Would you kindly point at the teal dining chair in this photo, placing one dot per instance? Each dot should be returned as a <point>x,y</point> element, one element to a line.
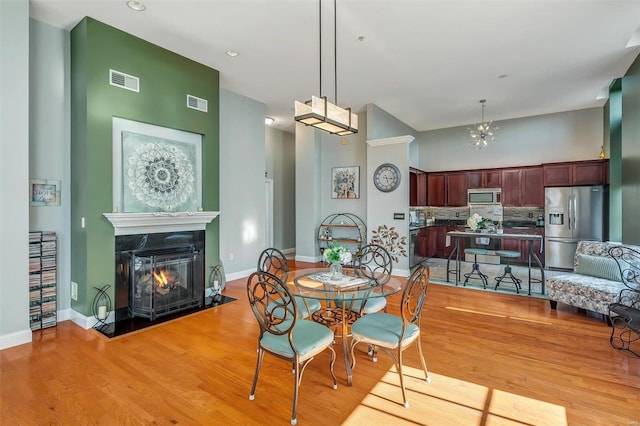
<point>274,261</point>
<point>283,333</point>
<point>393,334</point>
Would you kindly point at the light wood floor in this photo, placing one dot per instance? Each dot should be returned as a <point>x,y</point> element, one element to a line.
<point>495,359</point>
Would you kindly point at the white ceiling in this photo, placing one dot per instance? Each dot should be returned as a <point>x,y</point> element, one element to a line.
<point>426,62</point>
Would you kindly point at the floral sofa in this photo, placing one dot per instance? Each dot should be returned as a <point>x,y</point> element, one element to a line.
<point>594,283</point>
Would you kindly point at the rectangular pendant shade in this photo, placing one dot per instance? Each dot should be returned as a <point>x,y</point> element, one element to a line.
<point>322,114</point>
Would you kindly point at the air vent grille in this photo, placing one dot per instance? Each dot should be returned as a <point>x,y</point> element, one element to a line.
<point>124,81</point>
<point>197,103</point>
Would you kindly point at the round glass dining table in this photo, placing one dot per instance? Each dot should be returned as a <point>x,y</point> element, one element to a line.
<point>341,298</point>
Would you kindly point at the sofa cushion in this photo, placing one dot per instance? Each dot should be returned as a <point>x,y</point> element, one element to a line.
<point>584,291</point>
<point>596,266</point>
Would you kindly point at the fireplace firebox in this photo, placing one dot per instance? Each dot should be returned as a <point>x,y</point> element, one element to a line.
<point>159,274</point>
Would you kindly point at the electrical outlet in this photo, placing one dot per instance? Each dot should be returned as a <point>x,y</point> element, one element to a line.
<point>74,291</point>
<point>230,256</point>
<point>457,214</point>
<point>530,214</point>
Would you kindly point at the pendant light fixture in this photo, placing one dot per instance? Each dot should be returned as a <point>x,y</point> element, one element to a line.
<point>482,133</point>
<point>319,112</point>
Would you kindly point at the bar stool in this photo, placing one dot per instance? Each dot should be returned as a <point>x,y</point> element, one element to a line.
<point>508,275</point>
<point>475,269</point>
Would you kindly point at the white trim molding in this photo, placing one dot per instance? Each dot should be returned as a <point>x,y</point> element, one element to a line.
<point>10,340</point>
<point>153,222</point>
<point>391,141</point>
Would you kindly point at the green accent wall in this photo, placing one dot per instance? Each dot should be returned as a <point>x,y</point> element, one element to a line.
<point>615,159</point>
<point>630,154</point>
<point>165,80</point>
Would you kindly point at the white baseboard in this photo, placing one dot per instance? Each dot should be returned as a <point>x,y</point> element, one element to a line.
<point>309,259</point>
<point>15,339</point>
<point>401,272</point>
<point>239,275</point>
<point>88,322</point>
<point>288,251</point>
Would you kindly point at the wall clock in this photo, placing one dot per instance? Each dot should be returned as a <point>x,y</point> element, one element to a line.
<point>386,177</point>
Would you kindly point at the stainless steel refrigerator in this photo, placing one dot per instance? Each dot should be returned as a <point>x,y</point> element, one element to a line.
<point>571,214</point>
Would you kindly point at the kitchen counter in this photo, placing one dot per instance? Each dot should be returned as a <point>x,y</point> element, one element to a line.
<point>529,237</point>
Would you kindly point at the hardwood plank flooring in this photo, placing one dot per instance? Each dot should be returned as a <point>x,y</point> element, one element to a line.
<point>494,359</point>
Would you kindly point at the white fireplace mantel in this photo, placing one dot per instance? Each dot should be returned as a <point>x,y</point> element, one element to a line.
<point>154,222</point>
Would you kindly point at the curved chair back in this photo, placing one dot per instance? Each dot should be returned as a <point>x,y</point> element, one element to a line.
<point>628,261</point>
<point>414,295</point>
<point>274,261</point>
<point>374,262</point>
<point>271,303</point>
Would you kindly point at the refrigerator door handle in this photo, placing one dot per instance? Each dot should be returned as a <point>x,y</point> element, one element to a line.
<point>569,212</point>
<point>575,211</point>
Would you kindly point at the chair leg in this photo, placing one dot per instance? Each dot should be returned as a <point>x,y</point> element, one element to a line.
<point>424,363</point>
<point>475,269</point>
<point>399,367</point>
<point>296,383</point>
<point>252,396</point>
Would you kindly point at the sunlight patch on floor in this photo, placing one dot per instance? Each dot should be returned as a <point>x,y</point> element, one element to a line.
<point>449,401</point>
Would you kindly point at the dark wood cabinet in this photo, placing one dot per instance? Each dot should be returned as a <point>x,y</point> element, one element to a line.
<point>491,178</point>
<point>456,189</point>
<point>532,187</point>
<point>523,246</point>
<point>413,189</point>
<point>422,189</point>
<point>511,187</point>
<point>590,172</point>
<point>436,183</point>
<point>523,187</point>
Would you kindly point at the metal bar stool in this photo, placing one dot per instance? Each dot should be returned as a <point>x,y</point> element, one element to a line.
<point>475,269</point>
<point>508,275</point>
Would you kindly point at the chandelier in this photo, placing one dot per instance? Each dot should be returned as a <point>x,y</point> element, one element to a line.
<point>482,133</point>
<point>319,112</point>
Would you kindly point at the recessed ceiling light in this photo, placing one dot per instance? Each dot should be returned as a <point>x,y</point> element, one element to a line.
<point>269,121</point>
<point>136,5</point>
<point>232,53</point>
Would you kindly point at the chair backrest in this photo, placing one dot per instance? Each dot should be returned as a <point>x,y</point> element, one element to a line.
<point>628,261</point>
<point>374,262</point>
<point>414,295</point>
<point>272,303</point>
<point>274,261</point>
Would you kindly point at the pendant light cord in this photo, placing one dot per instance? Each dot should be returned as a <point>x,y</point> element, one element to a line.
<point>335,51</point>
<point>320,41</point>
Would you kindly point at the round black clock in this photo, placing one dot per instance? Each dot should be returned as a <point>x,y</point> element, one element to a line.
<point>386,177</point>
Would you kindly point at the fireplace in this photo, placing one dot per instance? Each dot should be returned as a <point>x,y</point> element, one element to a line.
<point>159,274</point>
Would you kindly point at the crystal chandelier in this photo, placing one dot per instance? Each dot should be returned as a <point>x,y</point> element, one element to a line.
<point>318,111</point>
<point>482,133</point>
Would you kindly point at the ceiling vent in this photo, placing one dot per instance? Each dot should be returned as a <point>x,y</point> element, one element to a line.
<point>197,103</point>
<point>124,81</point>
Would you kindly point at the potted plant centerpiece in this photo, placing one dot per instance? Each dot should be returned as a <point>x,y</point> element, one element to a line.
<point>336,255</point>
<point>478,223</point>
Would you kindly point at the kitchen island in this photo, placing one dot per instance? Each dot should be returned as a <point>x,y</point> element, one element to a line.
<point>456,236</point>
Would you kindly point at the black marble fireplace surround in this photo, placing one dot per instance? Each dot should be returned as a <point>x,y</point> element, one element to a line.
<point>182,254</point>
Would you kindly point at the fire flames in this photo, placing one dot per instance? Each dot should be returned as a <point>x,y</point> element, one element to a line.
<point>161,278</point>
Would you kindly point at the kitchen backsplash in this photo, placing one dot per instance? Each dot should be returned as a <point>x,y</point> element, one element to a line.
<point>510,214</point>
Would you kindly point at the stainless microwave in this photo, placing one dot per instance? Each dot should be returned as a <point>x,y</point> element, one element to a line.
<point>484,196</point>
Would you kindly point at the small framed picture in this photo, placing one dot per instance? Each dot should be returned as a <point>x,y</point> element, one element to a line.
<point>44,192</point>
<point>345,182</point>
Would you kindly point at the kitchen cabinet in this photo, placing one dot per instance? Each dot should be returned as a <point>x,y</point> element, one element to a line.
<point>590,172</point>
<point>511,187</point>
<point>456,187</point>
<point>523,187</point>
<point>436,183</point>
<point>417,188</point>
<point>532,187</point>
<point>523,246</point>
<point>491,178</point>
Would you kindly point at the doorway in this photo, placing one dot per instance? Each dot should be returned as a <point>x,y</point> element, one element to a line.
<point>268,221</point>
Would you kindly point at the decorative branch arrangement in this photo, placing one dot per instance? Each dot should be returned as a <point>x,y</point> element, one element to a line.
<point>391,241</point>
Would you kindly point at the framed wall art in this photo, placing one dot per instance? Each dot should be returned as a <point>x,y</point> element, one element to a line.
<point>345,182</point>
<point>44,192</point>
<point>155,169</point>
